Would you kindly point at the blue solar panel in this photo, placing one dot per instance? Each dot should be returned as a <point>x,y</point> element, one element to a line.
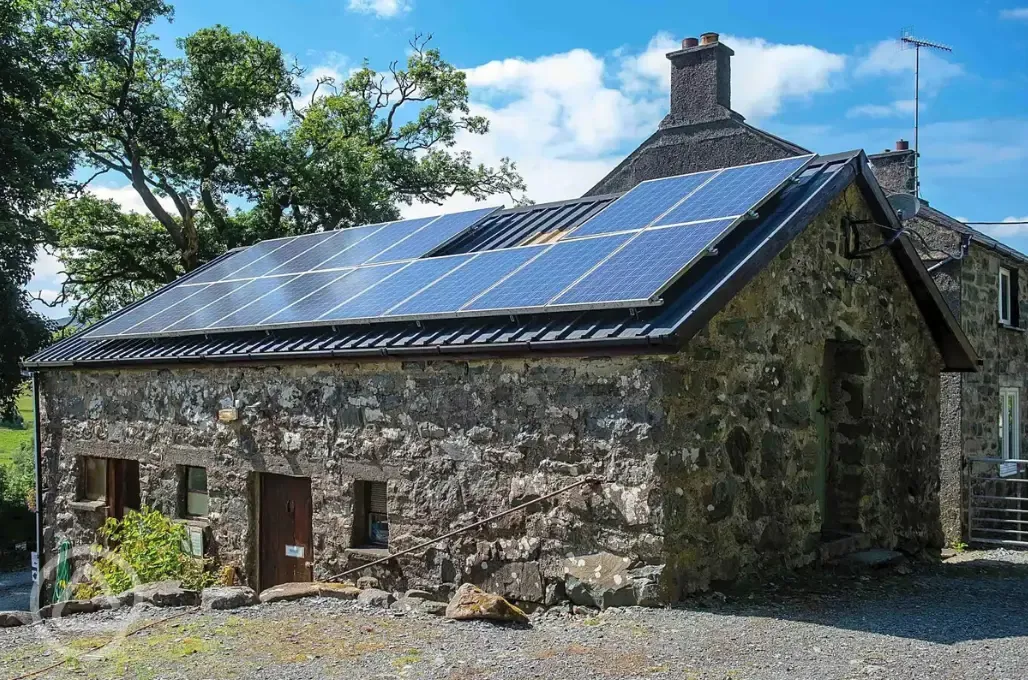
<point>734,191</point>
<point>204,296</point>
<point>339,241</point>
<point>279,257</point>
<point>397,288</point>
<point>223,269</point>
<point>167,299</point>
<point>457,289</point>
<point>650,261</point>
<point>334,294</point>
<point>546,276</point>
<point>433,235</point>
<point>296,289</point>
<point>228,303</point>
<point>368,248</point>
<point>642,204</point>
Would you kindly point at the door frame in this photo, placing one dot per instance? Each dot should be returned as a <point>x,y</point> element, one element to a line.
<point>259,490</point>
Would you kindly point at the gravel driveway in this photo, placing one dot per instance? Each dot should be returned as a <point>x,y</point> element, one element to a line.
<point>967,618</point>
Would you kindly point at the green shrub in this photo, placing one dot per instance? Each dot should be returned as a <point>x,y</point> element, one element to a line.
<point>147,546</point>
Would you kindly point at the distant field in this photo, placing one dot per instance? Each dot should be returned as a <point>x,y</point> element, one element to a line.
<point>10,439</point>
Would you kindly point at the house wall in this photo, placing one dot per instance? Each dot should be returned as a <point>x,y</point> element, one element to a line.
<point>709,456</point>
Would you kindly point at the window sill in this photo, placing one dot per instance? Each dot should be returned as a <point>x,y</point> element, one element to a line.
<point>1016,329</point>
<point>368,553</point>
<point>202,522</point>
<point>88,506</point>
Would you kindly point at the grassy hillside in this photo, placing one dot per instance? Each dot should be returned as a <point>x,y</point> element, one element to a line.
<point>11,439</point>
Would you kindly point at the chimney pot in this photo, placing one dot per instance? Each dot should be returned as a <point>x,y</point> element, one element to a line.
<point>902,145</point>
<point>690,42</point>
<point>709,38</point>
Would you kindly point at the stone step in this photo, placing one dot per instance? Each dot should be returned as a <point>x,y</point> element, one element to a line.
<point>840,545</point>
<point>876,558</point>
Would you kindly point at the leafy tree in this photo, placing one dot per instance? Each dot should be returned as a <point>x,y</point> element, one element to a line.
<point>225,125</point>
<point>33,156</point>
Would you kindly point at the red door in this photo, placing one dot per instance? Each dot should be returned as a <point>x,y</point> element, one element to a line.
<point>286,516</point>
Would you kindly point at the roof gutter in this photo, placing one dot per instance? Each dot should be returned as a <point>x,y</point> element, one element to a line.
<point>38,465</point>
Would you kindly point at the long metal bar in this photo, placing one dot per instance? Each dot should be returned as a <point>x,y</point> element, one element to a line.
<point>996,520</point>
<point>592,481</point>
<point>917,115</point>
<point>38,465</point>
<point>1001,541</point>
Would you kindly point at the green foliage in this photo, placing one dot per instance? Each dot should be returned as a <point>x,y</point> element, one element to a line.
<point>33,157</point>
<point>225,120</point>
<point>17,498</point>
<point>146,546</point>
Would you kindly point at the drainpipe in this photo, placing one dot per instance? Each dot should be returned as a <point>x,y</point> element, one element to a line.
<point>40,553</point>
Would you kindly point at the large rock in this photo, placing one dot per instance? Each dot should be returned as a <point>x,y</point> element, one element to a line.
<point>605,580</point>
<point>166,594</point>
<point>67,608</point>
<point>471,602</point>
<point>12,619</point>
<point>105,602</point>
<point>286,592</point>
<point>339,591</point>
<point>373,597</point>
<point>228,597</point>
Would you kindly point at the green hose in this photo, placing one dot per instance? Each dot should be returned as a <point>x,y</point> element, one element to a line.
<point>63,572</point>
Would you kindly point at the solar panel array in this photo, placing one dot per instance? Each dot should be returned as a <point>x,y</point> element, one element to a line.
<point>624,256</point>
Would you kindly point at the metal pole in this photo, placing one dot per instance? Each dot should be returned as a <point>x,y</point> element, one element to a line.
<point>38,464</point>
<point>592,481</point>
<point>917,111</point>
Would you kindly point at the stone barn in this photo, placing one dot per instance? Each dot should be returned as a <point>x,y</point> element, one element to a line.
<point>783,397</point>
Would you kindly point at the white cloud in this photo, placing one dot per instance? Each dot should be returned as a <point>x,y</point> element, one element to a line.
<point>129,200</point>
<point>383,9</point>
<point>1018,227</point>
<point>1015,14</point>
<point>893,59</point>
<point>900,107</point>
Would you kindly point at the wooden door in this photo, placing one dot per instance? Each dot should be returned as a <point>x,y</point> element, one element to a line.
<point>122,486</point>
<point>286,528</point>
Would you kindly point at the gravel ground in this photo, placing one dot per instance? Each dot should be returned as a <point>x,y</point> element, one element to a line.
<point>966,618</point>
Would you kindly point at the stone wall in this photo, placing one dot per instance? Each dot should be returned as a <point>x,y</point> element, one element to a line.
<point>710,456</point>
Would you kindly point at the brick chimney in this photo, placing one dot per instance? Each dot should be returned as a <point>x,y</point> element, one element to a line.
<point>701,82</point>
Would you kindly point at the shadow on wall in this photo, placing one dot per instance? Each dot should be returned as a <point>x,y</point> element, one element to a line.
<point>947,604</point>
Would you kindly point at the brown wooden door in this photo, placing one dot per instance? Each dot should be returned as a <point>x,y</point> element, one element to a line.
<point>286,550</point>
<point>122,486</point>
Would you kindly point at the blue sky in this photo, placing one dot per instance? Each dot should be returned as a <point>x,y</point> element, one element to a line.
<point>572,87</point>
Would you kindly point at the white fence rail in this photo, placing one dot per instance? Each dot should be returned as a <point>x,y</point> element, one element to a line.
<point>997,509</point>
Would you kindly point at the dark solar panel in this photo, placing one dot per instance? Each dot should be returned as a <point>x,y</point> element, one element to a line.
<point>366,249</point>
<point>338,241</point>
<point>206,295</point>
<point>166,300</point>
<point>433,235</point>
<point>397,288</point>
<point>225,268</point>
<point>259,309</point>
<point>309,309</point>
<point>281,256</point>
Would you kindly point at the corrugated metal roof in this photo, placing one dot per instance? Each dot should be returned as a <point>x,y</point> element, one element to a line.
<point>688,304</point>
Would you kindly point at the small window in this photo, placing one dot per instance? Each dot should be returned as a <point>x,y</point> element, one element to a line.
<point>196,501</point>
<point>1006,298</point>
<point>371,521</point>
<point>94,479</point>
<point>1009,423</point>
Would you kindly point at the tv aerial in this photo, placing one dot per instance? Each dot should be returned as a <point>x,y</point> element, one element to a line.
<point>917,43</point>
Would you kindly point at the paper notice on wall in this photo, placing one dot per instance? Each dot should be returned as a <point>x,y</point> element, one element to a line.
<point>1007,469</point>
<point>294,551</point>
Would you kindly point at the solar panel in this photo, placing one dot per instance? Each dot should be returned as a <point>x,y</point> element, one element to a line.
<point>374,244</point>
<point>261,308</point>
<point>307,310</point>
<point>338,241</point>
<point>433,235</point>
<point>226,304</point>
<point>397,288</point>
<point>449,294</point>
<point>204,296</point>
<point>646,265</point>
<point>165,300</point>
<point>734,191</point>
<point>643,204</point>
<point>224,268</point>
<point>548,275</point>
<point>281,256</point>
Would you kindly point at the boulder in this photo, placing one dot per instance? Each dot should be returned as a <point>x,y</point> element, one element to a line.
<point>228,597</point>
<point>105,602</point>
<point>339,591</point>
<point>605,580</point>
<point>12,619</point>
<point>471,602</point>
<point>166,594</point>
<point>67,608</point>
<point>286,592</point>
<point>373,597</point>
<point>367,582</point>
<point>431,607</point>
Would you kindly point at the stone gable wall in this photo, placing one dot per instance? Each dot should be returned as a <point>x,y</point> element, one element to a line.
<point>709,455</point>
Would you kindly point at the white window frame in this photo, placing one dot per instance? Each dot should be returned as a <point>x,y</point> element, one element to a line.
<point>1009,421</point>
<point>1004,315</point>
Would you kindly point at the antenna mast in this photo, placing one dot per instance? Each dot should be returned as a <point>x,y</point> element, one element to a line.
<point>918,43</point>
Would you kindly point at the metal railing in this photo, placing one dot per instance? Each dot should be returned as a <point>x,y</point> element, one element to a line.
<point>997,508</point>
